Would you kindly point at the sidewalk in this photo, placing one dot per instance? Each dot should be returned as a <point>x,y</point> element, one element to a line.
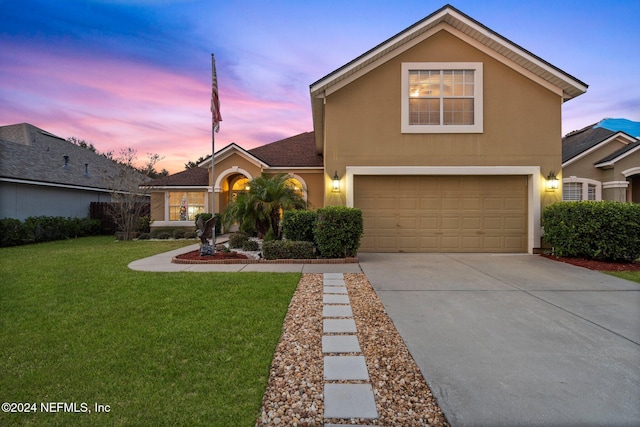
<point>162,263</point>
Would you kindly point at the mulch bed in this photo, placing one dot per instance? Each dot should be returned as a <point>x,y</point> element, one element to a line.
<point>222,257</point>
<point>597,265</point>
<point>218,256</point>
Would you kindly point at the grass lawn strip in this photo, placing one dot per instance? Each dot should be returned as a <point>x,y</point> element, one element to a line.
<point>633,276</point>
<point>77,326</point>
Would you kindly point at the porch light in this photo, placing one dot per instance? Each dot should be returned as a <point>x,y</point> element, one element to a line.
<point>552,181</point>
<point>336,183</point>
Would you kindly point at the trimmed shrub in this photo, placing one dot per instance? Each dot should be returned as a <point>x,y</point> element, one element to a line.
<point>250,245</point>
<point>597,230</point>
<point>338,231</point>
<point>144,236</point>
<point>236,240</point>
<point>190,235</point>
<point>287,249</point>
<point>12,232</point>
<point>36,229</point>
<point>163,235</point>
<point>298,225</point>
<point>178,233</point>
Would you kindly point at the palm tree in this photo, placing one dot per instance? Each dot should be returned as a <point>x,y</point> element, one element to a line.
<point>260,208</point>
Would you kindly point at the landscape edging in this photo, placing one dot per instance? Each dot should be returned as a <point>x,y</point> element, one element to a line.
<point>349,260</point>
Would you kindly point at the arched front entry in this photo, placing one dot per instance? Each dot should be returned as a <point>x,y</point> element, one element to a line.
<point>229,184</point>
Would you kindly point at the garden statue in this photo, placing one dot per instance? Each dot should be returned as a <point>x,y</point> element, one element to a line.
<point>205,230</point>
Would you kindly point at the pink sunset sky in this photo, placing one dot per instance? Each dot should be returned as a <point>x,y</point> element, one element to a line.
<point>137,74</point>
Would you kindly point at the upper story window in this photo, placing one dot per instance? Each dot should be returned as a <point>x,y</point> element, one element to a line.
<point>442,97</point>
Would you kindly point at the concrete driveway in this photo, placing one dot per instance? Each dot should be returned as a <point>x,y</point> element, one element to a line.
<point>516,339</point>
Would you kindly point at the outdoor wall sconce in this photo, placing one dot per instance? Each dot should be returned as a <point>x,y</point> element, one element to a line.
<point>336,183</point>
<point>552,181</point>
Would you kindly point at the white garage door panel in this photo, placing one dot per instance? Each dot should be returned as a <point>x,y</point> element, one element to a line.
<point>443,213</point>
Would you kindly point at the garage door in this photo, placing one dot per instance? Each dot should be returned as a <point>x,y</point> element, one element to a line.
<point>442,213</point>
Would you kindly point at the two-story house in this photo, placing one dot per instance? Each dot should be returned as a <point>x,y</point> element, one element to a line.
<point>447,136</point>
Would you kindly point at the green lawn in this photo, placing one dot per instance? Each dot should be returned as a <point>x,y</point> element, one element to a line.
<point>634,276</point>
<point>76,325</point>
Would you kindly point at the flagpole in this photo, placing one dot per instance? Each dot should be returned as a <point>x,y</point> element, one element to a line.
<point>213,179</point>
<point>215,126</point>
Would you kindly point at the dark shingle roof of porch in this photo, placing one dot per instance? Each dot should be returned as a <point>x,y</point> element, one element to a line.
<point>190,177</point>
<point>296,151</point>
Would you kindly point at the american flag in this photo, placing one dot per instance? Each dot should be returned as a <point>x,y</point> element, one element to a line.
<point>215,102</point>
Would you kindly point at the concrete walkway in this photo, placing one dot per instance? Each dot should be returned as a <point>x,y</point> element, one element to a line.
<point>516,339</point>
<point>162,263</point>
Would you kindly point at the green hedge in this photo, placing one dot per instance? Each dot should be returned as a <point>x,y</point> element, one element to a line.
<point>596,230</point>
<point>299,224</point>
<point>236,240</point>
<point>287,249</point>
<point>38,229</point>
<point>338,231</point>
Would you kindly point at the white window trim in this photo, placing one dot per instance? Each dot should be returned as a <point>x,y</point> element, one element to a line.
<point>477,127</point>
<point>534,185</point>
<point>167,221</point>
<point>585,187</point>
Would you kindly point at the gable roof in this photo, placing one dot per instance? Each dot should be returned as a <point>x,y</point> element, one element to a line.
<point>448,14</point>
<point>291,153</point>
<point>611,159</point>
<point>296,151</point>
<point>579,143</point>
<point>34,156</point>
<point>496,45</point>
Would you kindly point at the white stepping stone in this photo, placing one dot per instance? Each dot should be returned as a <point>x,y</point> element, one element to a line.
<point>340,344</point>
<point>339,326</point>
<point>349,401</point>
<point>345,368</point>
<point>337,311</point>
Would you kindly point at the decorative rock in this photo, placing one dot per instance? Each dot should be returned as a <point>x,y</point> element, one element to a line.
<point>399,389</point>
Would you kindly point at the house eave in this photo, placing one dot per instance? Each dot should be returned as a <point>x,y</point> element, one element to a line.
<point>57,185</point>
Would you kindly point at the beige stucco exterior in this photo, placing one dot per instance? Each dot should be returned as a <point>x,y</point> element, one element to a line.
<point>521,126</point>
<point>232,165</point>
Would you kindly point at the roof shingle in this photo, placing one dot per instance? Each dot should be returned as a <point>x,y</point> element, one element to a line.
<point>295,151</point>
<point>190,177</point>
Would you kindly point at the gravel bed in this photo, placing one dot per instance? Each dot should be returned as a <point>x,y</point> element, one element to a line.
<point>294,395</point>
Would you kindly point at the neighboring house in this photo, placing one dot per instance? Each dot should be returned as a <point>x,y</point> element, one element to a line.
<point>178,198</point>
<point>43,174</point>
<point>602,162</point>
<point>442,135</point>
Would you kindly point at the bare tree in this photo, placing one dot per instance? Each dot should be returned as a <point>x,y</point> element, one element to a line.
<point>129,194</point>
